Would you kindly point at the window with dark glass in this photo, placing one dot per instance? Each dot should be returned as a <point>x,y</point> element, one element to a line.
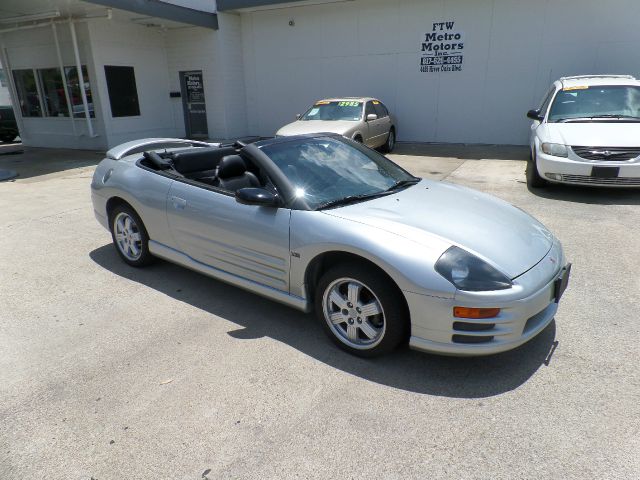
<point>27,90</point>
<point>381,110</point>
<point>123,94</point>
<point>75,94</point>
<point>52,88</point>
<point>369,109</point>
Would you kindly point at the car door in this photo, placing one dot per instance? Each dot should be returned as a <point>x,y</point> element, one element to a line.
<point>249,241</point>
<point>384,121</point>
<point>543,111</point>
<point>371,125</point>
<point>374,126</point>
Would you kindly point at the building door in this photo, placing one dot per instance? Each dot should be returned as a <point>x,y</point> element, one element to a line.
<point>193,103</point>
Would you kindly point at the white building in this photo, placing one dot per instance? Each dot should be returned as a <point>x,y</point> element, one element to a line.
<point>450,70</point>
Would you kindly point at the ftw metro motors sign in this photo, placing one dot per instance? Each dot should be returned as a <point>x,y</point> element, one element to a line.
<point>442,49</point>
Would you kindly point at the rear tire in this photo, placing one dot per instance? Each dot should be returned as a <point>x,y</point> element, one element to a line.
<point>391,141</point>
<point>130,236</point>
<point>361,310</point>
<point>534,180</point>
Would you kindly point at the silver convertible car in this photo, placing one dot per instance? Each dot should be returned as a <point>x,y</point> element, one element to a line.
<point>320,222</point>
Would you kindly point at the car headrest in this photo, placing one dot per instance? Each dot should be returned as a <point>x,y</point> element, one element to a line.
<point>231,166</point>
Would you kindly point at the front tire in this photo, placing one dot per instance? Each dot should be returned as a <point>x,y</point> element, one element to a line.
<point>361,310</point>
<point>130,236</point>
<point>534,180</point>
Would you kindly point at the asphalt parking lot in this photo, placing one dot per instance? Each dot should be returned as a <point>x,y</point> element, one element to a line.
<point>109,372</point>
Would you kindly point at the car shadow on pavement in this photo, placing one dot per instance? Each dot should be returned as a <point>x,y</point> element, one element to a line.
<point>589,195</point>
<point>404,369</point>
<point>463,151</point>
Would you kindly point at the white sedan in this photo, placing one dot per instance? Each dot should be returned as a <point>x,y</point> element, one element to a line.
<point>587,132</point>
<point>363,119</point>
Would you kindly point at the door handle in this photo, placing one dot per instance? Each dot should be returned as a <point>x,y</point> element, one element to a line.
<point>178,203</point>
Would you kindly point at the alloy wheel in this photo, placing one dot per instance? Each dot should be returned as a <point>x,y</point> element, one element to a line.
<point>354,313</point>
<point>127,235</point>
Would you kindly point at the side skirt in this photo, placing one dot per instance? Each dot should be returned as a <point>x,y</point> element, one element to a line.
<point>175,256</point>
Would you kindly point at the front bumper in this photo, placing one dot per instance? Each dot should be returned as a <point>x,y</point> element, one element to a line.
<point>526,309</point>
<point>576,171</point>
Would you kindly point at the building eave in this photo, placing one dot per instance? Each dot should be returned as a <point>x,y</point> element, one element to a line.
<point>168,11</point>
<point>227,5</point>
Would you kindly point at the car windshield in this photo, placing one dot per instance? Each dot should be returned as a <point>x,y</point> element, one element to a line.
<point>330,111</point>
<point>326,171</point>
<point>597,102</point>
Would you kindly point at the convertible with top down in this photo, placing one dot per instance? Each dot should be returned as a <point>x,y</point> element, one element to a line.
<point>321,222</point>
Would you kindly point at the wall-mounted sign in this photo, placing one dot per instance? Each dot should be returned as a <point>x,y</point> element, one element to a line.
<point>442,49</point>
<point>194,87</point>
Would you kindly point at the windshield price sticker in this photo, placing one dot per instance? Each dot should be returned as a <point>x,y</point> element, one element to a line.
<point>348,104</point>
<point>441,49</point>
<point>323,102</point>
<point>581,87</point>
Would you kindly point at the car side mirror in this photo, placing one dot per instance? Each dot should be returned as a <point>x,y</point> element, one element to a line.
<point>535,115</point>
<point>257,196</point>
<point>372,116</point>
<point>298,116</point>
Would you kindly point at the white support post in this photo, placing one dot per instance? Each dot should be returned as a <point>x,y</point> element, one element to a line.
<point>64,78</point>
<point>74,40</point>
<point>12,86</point>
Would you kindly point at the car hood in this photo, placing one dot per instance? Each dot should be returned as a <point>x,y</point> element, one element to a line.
<point>603,134</point>
<point>316,126</point>
<point>499,233</point>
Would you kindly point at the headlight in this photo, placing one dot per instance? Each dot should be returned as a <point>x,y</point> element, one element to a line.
<point>555,149</point>
<point>468,272</point>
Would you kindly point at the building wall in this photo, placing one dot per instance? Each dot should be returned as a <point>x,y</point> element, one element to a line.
<point>513,50</point>
<point>232,75</point>
<point>35,48</point>
<point>219,55</point>
<point>128,44</point>
<point>195,48</point>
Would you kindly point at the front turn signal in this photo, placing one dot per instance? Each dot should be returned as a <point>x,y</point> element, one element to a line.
<point>466,312</point>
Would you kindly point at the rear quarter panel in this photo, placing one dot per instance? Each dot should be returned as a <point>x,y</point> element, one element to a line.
<point>144,190</point>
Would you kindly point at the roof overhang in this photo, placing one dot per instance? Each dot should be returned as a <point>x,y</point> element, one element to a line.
<point>228,5</point>
<point>168,11</point>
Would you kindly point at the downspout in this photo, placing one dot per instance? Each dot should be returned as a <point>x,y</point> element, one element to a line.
<point>64,79</point>
<point>74,40</point>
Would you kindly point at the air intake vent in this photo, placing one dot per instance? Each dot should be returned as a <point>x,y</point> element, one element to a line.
<point>622,181</point>
<point>473,327</point>
<point>470,339</point>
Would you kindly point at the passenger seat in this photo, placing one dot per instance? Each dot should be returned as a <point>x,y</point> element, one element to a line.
<point>232,174</point>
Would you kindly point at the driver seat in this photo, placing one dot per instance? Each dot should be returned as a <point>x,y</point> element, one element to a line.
<point>232,174</point>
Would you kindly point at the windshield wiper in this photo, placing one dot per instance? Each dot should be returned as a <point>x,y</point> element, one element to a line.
<point>403,183</point>
<point>596,117</point>
<point>630,117</point>
<point>349,199</point>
